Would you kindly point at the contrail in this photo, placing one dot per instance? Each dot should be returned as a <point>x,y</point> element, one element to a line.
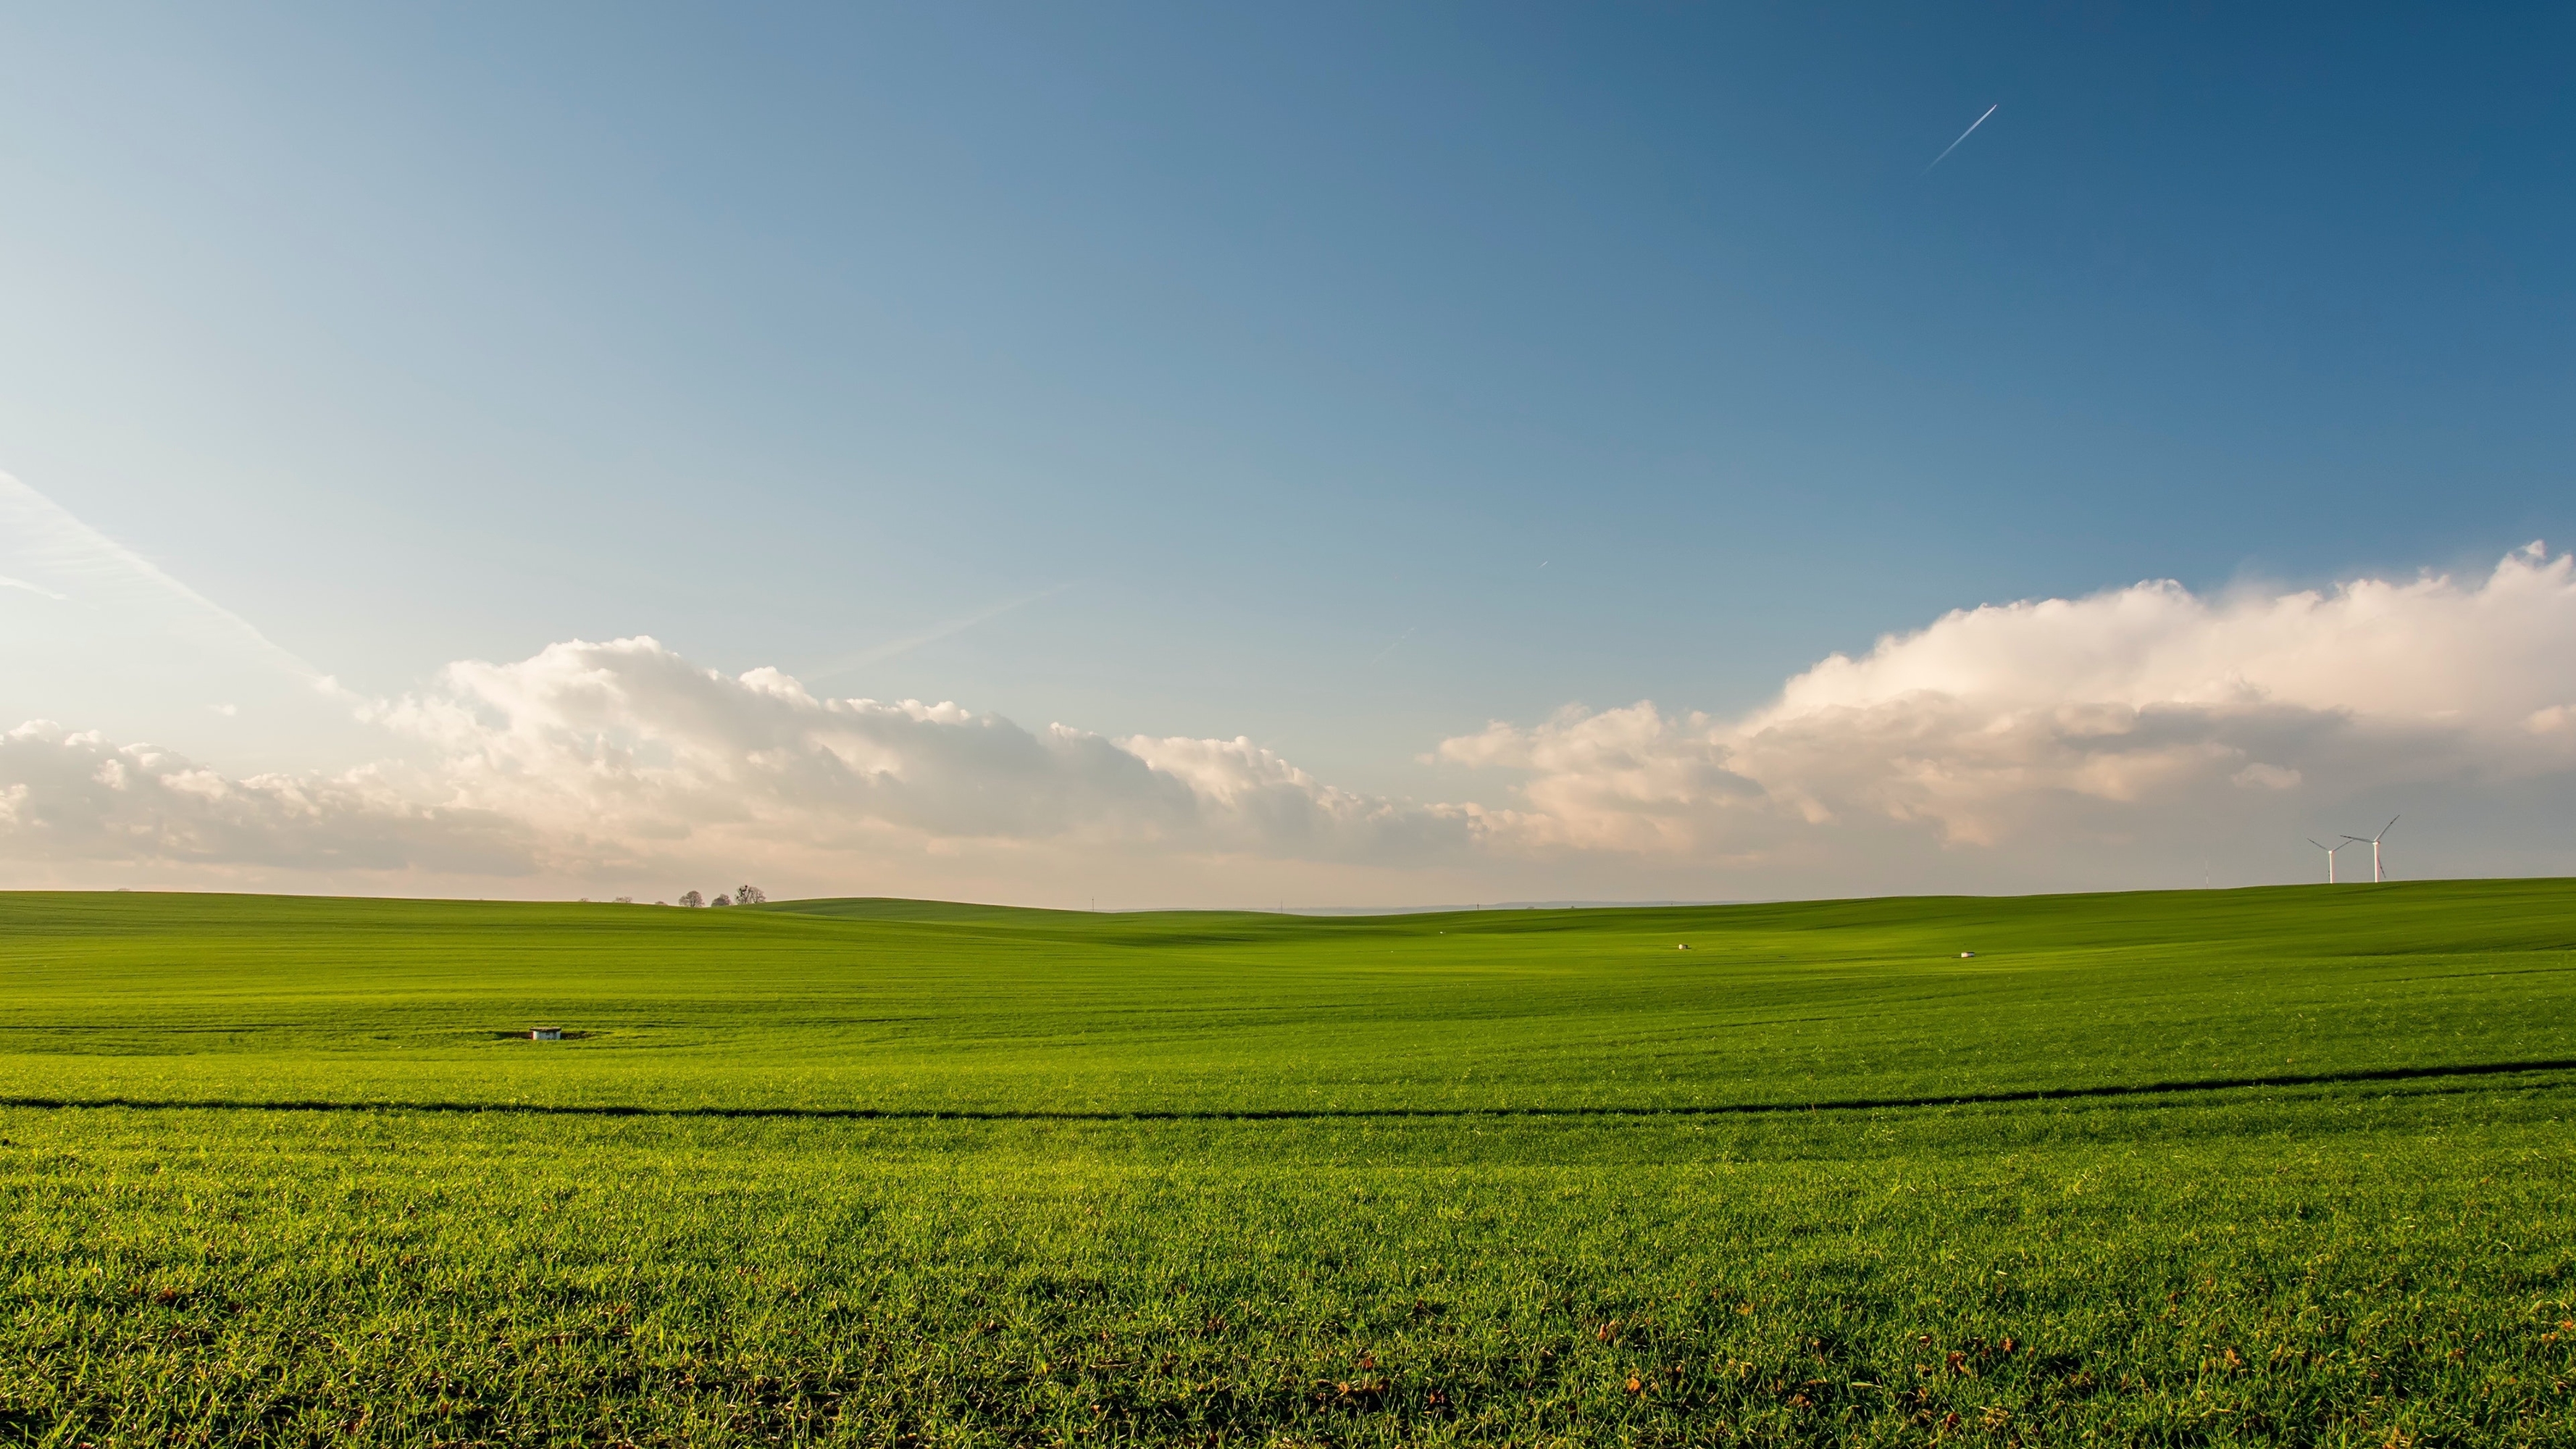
<point>59,547</point>
<point>1963,135</point>
<point>9,583</point>
<point>906,645</point>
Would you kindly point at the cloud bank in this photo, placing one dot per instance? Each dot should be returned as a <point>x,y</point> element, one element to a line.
<point>597,744</point>
<point>2059,720</point>
<point>1996,740</point>
<point>596,759</point>
<point>67,796</point>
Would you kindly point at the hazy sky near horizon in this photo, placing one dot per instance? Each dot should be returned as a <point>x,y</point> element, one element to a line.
<point>1300,440</point>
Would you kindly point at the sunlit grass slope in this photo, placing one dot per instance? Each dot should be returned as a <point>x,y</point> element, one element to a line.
<point>2278,1166</point>
<point>909,1007</point>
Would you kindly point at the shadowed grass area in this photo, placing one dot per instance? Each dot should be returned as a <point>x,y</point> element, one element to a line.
<point>2256,1166</point>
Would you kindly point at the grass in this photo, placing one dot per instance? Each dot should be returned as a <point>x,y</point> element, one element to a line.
<point>2274,1166</point>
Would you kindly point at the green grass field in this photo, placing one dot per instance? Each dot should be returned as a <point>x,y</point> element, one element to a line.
<point>2268,1166</point>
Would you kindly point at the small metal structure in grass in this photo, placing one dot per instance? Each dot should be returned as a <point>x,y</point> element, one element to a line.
<point>545,1033</point>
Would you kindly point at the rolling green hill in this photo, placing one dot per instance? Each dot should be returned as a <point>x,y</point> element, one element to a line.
<point>2284,1165</point>
<point>921,1007</point>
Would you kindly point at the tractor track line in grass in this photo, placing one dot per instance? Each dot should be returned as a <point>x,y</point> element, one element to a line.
<point>1314,1114</point>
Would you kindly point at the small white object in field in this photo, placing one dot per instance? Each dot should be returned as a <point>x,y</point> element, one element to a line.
<point>1683,946</point>
<point>1964,955</point>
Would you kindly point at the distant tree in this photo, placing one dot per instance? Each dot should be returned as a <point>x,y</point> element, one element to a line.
<point>720,899</point>
<point>693,899</point>
<point>749,895</point>
<point>626,900</point>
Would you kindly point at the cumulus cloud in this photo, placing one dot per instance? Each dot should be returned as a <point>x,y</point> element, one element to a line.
<point>2061,718</point>
<point>627,738</point>
<point>597,756</point>
<point>76,796</point>
<point>2007,734</point>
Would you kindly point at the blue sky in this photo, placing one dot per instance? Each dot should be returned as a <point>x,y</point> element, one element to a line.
<point>1345,378</point>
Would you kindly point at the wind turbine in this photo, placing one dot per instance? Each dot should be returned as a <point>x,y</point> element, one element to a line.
<point>2330,855</point>
<point>2376,874</point>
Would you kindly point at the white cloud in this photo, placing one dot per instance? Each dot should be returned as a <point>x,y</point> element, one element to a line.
<point>624,756</point>
<point>2064,719</point>
<point>2010,735</point>
<point>2260,776</point>
<point>629,738</point>
<point>67,796</point>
